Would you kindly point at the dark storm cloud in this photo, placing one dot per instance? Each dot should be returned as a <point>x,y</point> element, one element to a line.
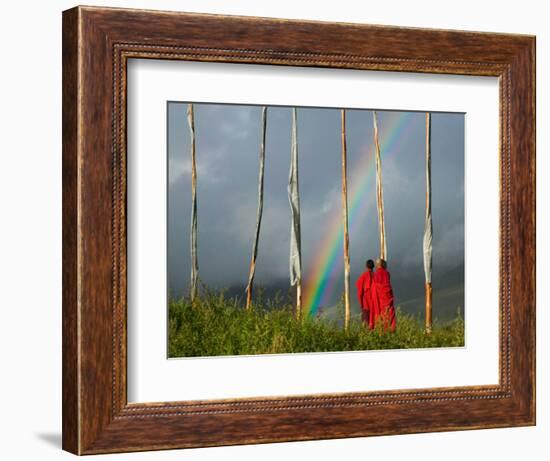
<point>227,138</point>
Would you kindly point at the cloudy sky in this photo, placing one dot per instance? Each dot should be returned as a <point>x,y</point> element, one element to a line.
<point>227,143</point>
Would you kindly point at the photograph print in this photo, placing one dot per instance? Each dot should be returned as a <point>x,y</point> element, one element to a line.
<point>311,229</point>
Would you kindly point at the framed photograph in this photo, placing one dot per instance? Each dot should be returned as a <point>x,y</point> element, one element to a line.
<point>281,230</point>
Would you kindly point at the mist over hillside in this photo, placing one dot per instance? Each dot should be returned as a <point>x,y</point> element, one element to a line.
<point>408,287</point>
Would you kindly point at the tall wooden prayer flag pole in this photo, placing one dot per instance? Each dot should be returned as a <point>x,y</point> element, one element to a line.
<point>194,259</point>
<point>379,191</point>
<point>427,242</point>
<point>260,208</point>
<point>295,233</point>
<point>345,217</point>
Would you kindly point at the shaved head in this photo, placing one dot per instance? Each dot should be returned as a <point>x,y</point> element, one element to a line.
<point>381,263</point>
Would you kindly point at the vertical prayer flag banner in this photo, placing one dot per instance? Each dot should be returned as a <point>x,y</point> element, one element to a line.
<point>294,200</point>
<point>194,257</point>
<point>295,229</point>
<point>292,228</point>
<point>263,122</point>
<point>428,228</point>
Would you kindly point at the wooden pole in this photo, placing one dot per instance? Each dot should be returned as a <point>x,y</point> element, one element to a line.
<point>427,243</point>
<point>345,217</point>
<point>299,299</point>
<point>249,286</point>
<point>428,307</point>
<point>194,259</point>
<point>379,191</point>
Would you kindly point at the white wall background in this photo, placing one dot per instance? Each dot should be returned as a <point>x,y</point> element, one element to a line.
<point>30,227</point>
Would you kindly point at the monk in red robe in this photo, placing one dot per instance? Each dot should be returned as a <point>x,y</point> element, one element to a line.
<point>365,295</point>
<point>383,294</point>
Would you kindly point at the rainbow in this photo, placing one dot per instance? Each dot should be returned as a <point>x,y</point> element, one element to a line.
<point>328,256</point>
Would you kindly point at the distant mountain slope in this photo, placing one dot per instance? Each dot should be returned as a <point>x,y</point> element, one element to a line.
<point>448,293</point>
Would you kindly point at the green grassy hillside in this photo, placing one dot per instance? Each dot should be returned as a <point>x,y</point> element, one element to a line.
<point>216,325</point>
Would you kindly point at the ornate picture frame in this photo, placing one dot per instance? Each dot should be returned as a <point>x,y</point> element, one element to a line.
<point>97,44</point>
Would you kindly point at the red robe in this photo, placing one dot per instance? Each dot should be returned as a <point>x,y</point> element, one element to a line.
<point>366,299</point>
<point>383,295</point>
